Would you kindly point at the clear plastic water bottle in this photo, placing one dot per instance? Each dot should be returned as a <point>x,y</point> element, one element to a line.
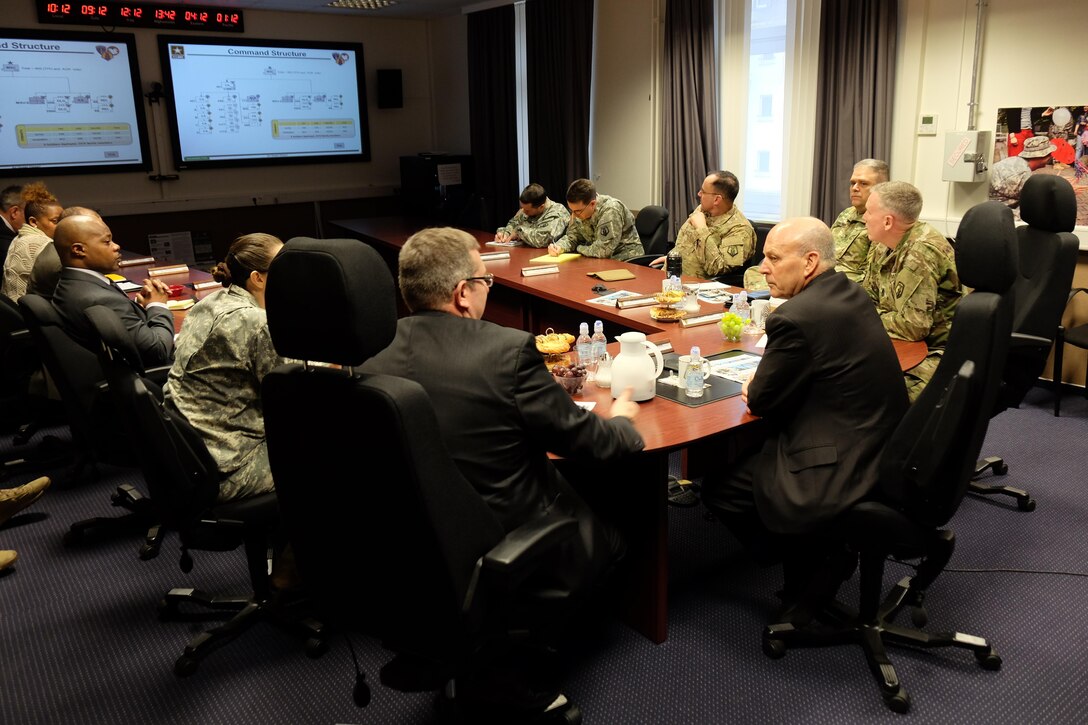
<point>693,381</point>
<point>741,307</point>
<point>583,346</point>
<point>600,342</point>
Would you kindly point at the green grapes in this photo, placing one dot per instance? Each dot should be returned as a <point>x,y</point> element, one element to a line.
<point>731,325</point>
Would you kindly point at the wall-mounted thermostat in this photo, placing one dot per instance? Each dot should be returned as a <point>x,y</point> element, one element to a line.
<point>927,124</point>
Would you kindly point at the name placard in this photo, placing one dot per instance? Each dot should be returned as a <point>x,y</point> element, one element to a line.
<point>537,271</point>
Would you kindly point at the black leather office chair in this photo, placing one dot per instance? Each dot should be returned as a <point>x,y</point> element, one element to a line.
<point>1046,260</point>
<point>1076,336</point>
<point>97,430</point>
<point>183,481</point>
<point>442,584</point>
<point>652,225</point>
<point>21,411</point>
<point>925,470</point>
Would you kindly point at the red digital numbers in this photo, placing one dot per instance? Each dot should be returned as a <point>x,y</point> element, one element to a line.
<point>166,15</point>
<point>62,8</point>
<point>226,18</point>
<point>94,11</point>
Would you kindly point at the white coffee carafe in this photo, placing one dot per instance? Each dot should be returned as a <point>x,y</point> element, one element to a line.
<point>634,368</point>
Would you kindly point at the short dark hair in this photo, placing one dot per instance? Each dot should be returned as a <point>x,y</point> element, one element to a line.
<point>726,184</point>
<point>581,190</point>
<point>533,194</point>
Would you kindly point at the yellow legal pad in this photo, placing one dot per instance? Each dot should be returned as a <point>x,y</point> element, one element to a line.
<point>549,259</point>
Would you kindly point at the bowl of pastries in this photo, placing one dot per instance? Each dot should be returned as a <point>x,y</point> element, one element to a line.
<point>667,298</point>
<point>554,346</point>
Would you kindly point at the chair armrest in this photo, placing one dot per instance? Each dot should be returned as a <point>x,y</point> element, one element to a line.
<point>158,374</point>
<point>526,544</point>
<point>1073,293</point>
<point>1021,340</point>
<point>517,556</point>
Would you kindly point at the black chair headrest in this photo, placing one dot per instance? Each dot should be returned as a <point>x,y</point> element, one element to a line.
<point>649,218</point>
<point>986,247</point>
<point>1048,202</point>
<point>330,300</point>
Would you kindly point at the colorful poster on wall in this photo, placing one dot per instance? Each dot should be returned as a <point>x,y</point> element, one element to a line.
<point>1040,140</point>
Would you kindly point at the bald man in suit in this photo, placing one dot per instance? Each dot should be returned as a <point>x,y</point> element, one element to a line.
<point>86,249</point>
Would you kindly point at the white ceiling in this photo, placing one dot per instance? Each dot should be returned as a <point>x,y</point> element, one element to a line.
<point>403,8</point>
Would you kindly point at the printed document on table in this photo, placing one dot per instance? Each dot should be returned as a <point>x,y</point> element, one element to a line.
<point>737,368</point>
<point>610,298</point>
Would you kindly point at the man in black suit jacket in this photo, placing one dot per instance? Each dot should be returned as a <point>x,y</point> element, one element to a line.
<point>87,251</point>
<point>498,407</point>
<point>830,391</point>
<point>500,411</point>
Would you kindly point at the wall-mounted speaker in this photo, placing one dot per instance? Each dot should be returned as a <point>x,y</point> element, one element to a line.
<point>390,94</point>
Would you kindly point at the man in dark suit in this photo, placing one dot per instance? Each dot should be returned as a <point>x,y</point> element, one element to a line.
<point>500,413</point>
<point>86,249</point>
<point>830,391</point>
<point>498,407</point>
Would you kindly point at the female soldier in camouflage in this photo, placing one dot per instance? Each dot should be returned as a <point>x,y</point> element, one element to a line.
<point>222,354</point>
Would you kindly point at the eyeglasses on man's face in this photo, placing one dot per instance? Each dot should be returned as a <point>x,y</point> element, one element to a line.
<point>704,192</point>
<point>487,279</point>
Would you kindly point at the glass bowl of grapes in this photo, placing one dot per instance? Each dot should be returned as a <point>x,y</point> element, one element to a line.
<point>731,326</point>
<point>571,377</point>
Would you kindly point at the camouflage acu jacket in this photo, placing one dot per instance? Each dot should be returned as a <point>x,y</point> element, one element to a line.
<point>723,246</point>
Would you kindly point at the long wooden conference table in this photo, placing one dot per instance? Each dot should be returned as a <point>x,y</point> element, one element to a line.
<point>633,494</point>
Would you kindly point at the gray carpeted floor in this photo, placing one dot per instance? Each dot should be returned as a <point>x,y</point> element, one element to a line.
<point>80,641</point>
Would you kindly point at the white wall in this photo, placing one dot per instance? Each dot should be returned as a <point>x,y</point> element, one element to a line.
<point>387,43</point>
<point>1027,60</point>
<point>625,132</point>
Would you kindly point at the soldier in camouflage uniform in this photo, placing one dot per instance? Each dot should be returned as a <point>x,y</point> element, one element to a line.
<point>911,275</point>
<point>223,352</point>
<point>539,223</point>
<point>716,238</point>
<point>600,226</point>
<point>851,237</point>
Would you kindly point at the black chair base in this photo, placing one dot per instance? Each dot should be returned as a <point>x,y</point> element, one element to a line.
<point>247,611</point>
<point>1024,501</point>
<point>141,517</point>
<point>874,637</point>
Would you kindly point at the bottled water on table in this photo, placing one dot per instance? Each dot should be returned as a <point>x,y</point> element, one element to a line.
<point>583,346</point>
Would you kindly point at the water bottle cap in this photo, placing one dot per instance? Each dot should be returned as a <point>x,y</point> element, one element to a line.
<point>695,352</point>
<point>583,328</point>
<point>598,326</point>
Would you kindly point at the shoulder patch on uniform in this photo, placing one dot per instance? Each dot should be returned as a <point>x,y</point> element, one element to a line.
<point>898,290</point>
<point>605,229</point>
<point>732,250</point>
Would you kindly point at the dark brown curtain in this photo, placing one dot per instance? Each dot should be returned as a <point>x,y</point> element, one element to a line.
<point>559,66</point>
<point>690,125</point>
<point>853,112</point>
<point>492,113</point>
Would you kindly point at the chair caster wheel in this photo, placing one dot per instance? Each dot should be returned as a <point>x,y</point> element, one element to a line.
<point>1001,469</point>
<point>1026,504</point>
<point>898,701</point>
<point>148,552</point>
<point>774,648</point>
<point>315,647</point>
<point>919,617</point>
<point>185,666</point>
<point>989,660</point>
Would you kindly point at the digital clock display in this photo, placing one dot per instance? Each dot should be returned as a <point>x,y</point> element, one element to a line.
<point>141,15</point>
